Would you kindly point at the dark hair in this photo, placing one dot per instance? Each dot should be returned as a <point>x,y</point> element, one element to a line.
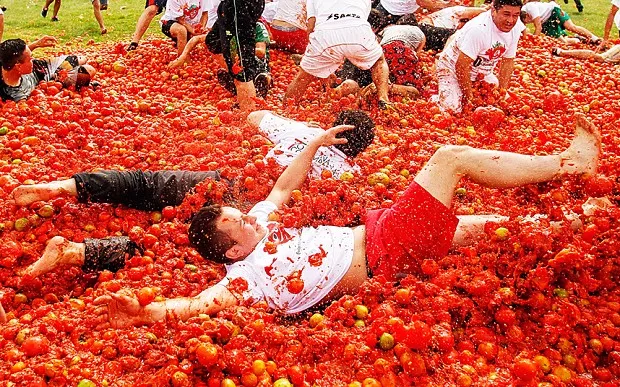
<point>358,138</point>
<point>523,16</point>
<point>497,4</point>
<point>11,52</point>
<point>204,236</point>
<point>377,20</point>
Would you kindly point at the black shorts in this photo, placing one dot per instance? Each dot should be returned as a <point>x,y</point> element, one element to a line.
<point>161,4</point>
<point>166,25</point>
<point>149,191</point>
<point>108,254</point>
<point>350,71</point>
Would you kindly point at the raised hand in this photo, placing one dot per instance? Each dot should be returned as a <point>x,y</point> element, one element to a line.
<point>328,137</point>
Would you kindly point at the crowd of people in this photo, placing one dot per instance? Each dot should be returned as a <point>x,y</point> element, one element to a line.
<point>372,46</point>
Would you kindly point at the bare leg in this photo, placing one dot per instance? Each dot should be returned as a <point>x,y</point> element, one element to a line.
<point>405,91</point>
<point>184,57</point>
<point>45,7</point>
<point>580,54</point>
<point>297,88</point>
<point>27,194</point>
<point>471,228</point>
<point>99,17</point>
<point>58,251</point>
<point>380,74</point>
<point>179,32</point>
<point>143,22</point>
<point>56,8</point>
<point>505,170</point>
<point>246,93</point>
<point>572,27</point>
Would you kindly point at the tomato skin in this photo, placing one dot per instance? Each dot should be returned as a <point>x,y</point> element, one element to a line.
<point>35,345</point>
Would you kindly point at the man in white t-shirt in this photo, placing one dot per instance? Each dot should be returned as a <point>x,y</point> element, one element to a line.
<point>184,19</point>
<point>293,269</point>
<point>474,52</point>
<point>551,20</point>
<point>289,26</point>
<point>339,30</point>
<point>292,137</point>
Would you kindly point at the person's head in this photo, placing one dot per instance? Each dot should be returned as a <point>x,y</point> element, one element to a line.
<point>16,56</point>
<point>377,20</point>
<point>359,137</point>
<point>224,234</point>
<point>525,17</point>
<point>506,13</point>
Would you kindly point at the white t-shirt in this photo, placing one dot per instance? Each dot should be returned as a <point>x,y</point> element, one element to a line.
<point>331,14</point>
<point>269,12</point>
<point>400,7</point>
<point>447,17</point>
<point>617,17</point>
<point>292,12</point>
<point>411,36</point>
<point>482,41</point>
<point>292,137</point>
<point>190,10</point>
<point>538,9</point>
<point>211,7</point>
<point>320,257</point>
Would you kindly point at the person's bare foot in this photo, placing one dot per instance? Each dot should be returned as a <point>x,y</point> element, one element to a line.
<point>57,252</point>
<point>583,153</point>
<point>28,194</point>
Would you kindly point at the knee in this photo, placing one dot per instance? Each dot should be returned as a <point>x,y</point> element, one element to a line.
<point>151,11</point>
<point>91,70</point>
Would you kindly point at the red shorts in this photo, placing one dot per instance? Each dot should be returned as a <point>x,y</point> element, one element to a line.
<point>416,227</point>
<point>294,41</point>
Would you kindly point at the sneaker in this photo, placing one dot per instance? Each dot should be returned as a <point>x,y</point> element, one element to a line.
<point>227,81</point>
<point>54,19</point>
<point>132,46</point>
<point>262,83</point>
<point>44,12</point>
<point>103,5</point>
<point>3,8</point>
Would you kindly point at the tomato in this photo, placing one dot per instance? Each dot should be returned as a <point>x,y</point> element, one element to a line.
<point>35,345</point>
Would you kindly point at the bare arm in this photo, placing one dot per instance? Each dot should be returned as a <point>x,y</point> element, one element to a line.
<point>193,42</point>
<point>463,74</point>
<point>537,26</point>
<point>123,309</point>
<point>45,41</point>
<point>610,21</point>
<point>506,67</point>
<point>433,5</point>
<point>204,19</point>
<point>311,23</point>
<point>295,174</point>
<point>2,32</point>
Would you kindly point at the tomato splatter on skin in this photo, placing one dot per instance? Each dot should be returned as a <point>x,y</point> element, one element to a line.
<point>317,258</point>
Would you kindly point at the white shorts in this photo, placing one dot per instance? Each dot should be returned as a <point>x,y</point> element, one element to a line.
<point>612,55</point>
<point>328,49</point>
<point>450,95</point>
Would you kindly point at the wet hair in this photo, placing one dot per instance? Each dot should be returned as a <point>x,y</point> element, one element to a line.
<point>11,53</point>
<point>377,20</point>
<point>204,236</point>
<point>358,138</point>
<point>523,16</point>
<point>497,4</point>
<point>408,20</point>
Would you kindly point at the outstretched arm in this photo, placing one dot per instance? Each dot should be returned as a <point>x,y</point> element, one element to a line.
<point>463,74</point>
<point>122,309</point>
<point>537,26</point>
<point>193,42</point>
<point>45,41</point>
<point>295,174</point>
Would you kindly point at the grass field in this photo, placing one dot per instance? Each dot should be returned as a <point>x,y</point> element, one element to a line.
<point>23,19</point>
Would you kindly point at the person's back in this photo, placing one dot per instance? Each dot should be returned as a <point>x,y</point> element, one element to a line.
<point>331,15</point>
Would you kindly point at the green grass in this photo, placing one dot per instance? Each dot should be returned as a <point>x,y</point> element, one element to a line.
<point>23,20</point>
<point>77,23</point>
